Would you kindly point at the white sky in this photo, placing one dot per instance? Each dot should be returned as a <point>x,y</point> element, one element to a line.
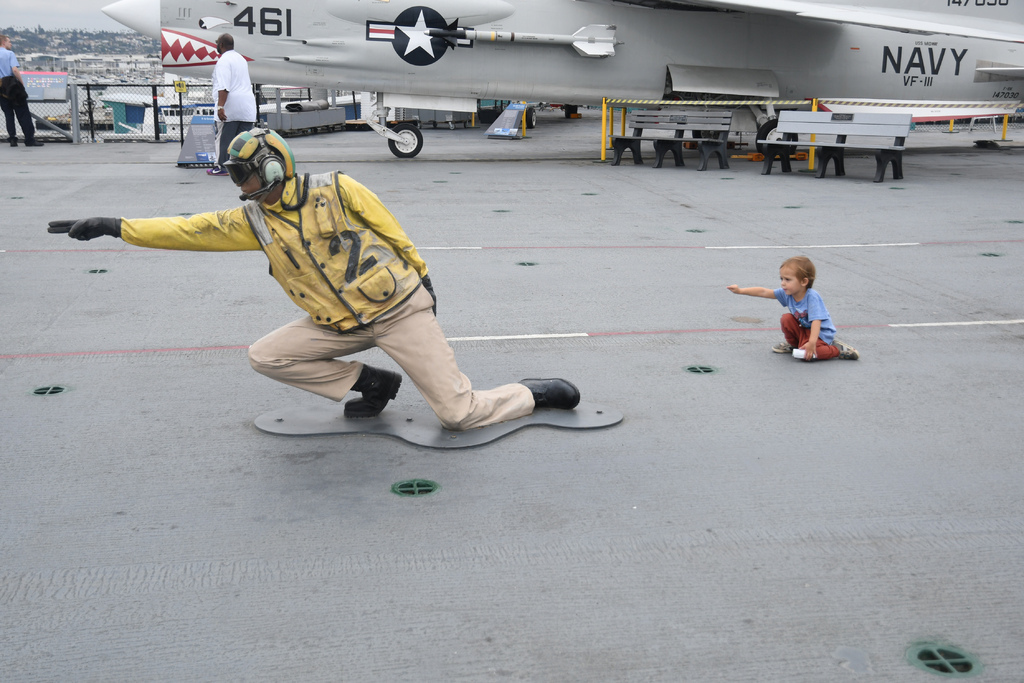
<point>54,14</point>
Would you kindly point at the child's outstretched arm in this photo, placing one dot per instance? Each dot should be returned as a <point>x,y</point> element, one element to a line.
<point>762,292</point>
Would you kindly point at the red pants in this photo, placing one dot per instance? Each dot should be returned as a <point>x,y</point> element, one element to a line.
<point>797,336</point>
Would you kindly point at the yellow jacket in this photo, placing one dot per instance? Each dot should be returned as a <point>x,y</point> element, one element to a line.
<point>340,255</point>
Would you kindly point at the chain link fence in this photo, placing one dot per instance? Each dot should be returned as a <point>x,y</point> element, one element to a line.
<point>117,112</point>
<point>989,126</point>
<point>125,112</point>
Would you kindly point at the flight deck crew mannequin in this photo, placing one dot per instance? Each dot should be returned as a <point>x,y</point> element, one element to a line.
<point>19,105</point>
<point>236,104</point>
<point>341,256</point>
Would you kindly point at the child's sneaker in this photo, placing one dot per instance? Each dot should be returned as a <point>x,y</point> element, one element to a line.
<point>846,352</point>
<point>783,347</point>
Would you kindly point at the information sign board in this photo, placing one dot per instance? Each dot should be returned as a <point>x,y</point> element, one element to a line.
<point>46,86</point>
<point>200,148</point>
<point>509,123</point>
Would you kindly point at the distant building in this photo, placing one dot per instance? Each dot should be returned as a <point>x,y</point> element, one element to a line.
<point>92,67</point>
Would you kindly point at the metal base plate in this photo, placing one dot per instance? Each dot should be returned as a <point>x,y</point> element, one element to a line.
<point>424,430</point>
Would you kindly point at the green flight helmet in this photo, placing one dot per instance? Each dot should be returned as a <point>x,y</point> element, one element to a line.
<point>263,153</point>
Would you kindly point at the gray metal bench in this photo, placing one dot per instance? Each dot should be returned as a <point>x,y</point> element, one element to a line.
<point>885,134</point>
<point>709,129</point>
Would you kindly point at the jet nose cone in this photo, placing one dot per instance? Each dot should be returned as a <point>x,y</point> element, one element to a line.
<point>141,15</point>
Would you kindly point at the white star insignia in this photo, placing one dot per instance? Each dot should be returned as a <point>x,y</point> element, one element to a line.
<point>418,38</point>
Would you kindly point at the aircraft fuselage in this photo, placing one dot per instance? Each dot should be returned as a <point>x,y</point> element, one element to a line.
<point>382,46</point>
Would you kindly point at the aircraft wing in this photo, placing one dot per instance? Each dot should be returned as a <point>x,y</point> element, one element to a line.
<point>903,20</point>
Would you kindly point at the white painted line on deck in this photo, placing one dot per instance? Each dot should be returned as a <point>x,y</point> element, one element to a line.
<point>570,335</point>
<point>676,246</point>
<point>824,246</point>
<point>579,247</point>
<point>976,322</point>
<point>508,337</point>
<point>512,337</point>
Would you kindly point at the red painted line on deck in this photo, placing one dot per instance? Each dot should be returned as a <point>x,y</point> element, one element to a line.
<point>115,352</point>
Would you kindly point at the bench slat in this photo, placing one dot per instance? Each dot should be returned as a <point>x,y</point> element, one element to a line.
<point>679,119</point>
<point>844,128</point>
<point>790,115</point>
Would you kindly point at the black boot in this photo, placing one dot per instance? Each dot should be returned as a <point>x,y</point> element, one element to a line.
<point>14,142</point>
<point>377,387</point>
<point>553,393</point>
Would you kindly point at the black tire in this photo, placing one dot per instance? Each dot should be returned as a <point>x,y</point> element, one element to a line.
<point>531,118</point>
<point>489,115</point>
<point>764,130</point>
<point>411,143</point>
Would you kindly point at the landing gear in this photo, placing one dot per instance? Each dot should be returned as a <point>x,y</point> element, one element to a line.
<point>531,118</point>
<point>410,141</point>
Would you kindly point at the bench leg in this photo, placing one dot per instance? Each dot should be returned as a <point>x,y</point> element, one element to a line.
<point>634,147</point>
<point>620,145</point>
<point>709,147</point>
<point>835,155</point>
<point>663,147</point>
<point>772,151</point>
<point>885,157</point>
<point>616,152</point>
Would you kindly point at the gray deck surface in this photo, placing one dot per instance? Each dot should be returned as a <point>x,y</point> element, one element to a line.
<point>772,521</point>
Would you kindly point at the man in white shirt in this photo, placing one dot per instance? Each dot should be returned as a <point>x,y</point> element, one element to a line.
<point>236,104</point>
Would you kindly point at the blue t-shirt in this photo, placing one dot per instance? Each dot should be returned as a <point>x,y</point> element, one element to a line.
<point>810,309</point>
<point>7,60</point>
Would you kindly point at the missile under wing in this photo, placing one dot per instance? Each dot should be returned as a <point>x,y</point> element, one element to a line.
<point>447,54</point>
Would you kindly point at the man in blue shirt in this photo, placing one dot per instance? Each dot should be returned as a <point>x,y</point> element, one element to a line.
<point>17,106</point>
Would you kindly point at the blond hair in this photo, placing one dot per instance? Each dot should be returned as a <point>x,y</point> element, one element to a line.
<point>803,268</point>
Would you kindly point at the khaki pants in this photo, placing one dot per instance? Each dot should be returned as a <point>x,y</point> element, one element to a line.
<point>303,354</point>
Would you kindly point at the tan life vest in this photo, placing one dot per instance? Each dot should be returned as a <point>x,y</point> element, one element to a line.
<point>331,263</point>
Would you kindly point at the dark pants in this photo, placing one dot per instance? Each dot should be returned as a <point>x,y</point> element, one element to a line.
<point>24,118</point>
<point>226,132</point>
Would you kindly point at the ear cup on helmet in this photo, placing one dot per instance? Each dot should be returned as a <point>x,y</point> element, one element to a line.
<point>277,143</point>
<point>272,170</point>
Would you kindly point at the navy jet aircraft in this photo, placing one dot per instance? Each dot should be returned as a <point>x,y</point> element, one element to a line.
<point>448,54</point>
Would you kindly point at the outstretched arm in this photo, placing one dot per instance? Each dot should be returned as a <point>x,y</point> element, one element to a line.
<point>762,292</point>
<point>218,231</point>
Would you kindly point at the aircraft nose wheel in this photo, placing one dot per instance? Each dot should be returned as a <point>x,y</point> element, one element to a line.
<point>410,144</point>
<point>764,130</point>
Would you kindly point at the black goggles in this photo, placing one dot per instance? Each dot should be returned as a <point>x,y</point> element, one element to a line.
<point>239,172</point>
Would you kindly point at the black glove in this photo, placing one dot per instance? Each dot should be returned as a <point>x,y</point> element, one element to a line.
<point>87,228</point>
<point>430,290</point>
